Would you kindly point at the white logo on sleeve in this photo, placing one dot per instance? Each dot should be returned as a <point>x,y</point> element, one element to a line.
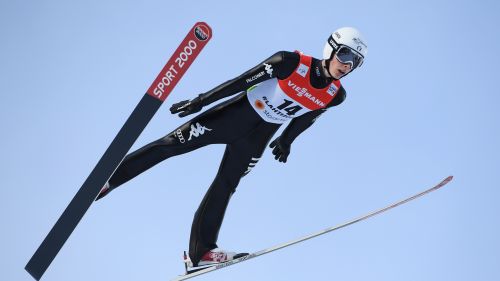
<point>179,135</point>
<point>269,69</point>
<point>302,70</point>
<point>197,130</point>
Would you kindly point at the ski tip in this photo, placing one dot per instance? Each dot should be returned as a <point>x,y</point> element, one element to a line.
<point>445,181</point>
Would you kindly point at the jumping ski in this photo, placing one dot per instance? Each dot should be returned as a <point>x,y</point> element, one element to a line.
<point>196,272</point>
<point>172,72</point>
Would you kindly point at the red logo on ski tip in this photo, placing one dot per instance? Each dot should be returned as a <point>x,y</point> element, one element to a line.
<point>180,61</point>
<point>201,32</point>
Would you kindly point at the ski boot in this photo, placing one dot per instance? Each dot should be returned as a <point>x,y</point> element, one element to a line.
<point>210,258</point>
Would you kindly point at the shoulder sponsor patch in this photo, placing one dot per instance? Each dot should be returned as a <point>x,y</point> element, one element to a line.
<point>332,89</point>
<point>302,70</point>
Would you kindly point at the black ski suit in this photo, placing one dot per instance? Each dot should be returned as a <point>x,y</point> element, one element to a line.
<point>236,124</point>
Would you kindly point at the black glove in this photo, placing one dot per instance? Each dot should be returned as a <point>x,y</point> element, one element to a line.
<point>280,150</point>
<point>187,107</point>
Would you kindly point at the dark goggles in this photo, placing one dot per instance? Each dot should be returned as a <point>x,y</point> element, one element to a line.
<point>349,56</point>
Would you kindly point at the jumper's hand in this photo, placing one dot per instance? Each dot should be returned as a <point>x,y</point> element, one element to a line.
<point>280,150</point>
<point>187,107</point>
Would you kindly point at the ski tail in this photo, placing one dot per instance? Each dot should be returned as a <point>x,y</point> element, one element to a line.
<point>165,82</point>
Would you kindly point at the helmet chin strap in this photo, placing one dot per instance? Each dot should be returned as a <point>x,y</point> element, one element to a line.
<point>327,68</point>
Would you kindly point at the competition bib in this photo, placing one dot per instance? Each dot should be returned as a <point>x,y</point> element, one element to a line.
<point>278,101</point>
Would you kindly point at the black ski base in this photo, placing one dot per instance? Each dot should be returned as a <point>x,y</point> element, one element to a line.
<point>86,195</point>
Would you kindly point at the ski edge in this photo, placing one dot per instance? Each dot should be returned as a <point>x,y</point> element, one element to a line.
<point>327,230</point>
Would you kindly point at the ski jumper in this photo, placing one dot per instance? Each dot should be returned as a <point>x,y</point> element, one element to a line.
<point>285,87</point>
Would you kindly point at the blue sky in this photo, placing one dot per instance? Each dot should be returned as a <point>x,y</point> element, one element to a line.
<point>423,106</point>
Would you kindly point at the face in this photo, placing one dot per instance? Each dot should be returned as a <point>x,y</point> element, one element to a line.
<point>338,69</point>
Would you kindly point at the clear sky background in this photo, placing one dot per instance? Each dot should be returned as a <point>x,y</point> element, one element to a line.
<point>423,106</point>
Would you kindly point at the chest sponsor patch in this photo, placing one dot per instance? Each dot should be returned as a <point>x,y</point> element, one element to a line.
<point>302,70</point>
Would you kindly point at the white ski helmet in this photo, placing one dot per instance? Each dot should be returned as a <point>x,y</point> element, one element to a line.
<point>346,37</point>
